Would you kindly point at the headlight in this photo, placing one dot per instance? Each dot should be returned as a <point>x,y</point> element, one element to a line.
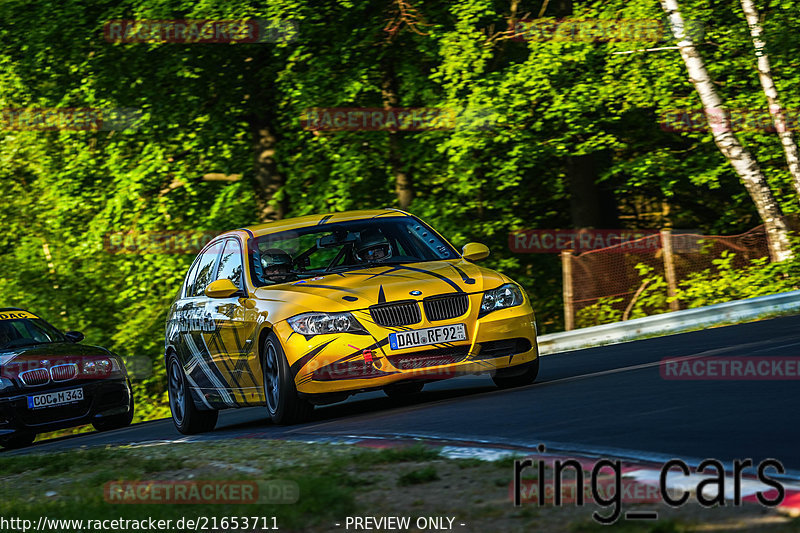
<point>96,367</point>
<point>322,323</point>
<point>5,384</point>
<point>507,295</point>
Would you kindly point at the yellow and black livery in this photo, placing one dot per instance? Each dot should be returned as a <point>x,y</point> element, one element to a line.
<point>308,310</point>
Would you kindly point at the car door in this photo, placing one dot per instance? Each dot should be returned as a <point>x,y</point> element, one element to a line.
<point>196,326</point>
<point>232,344</point>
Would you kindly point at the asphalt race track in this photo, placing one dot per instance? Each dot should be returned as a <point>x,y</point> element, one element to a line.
<point>610,399</point>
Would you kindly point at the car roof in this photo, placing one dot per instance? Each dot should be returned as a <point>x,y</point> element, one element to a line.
<point>310,220</point>
<point>11,309</point>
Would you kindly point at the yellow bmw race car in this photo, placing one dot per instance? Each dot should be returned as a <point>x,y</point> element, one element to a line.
<point>306,311</point>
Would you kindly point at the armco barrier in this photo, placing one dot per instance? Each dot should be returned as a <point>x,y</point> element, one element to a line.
<point>668,323</point>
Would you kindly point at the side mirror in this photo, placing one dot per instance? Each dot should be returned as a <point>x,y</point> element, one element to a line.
<point>475,251</point>
<point>74,336</point>
<point>222,288</point>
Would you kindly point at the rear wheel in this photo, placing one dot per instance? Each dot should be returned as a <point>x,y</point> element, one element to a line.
<point>401,390</point>
<point>188,419</point>
<point>517,376</point>
<point>20,439</point>
<point>284,405</point>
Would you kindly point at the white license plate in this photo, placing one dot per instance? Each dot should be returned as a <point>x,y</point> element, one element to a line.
<point>52,399</point>
<point>423,337</point>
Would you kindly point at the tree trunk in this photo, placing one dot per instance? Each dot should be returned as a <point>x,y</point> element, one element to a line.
<point>592,203</point>
<point>403,184</point>
<point>268,180</point>
<point>402,181</point>
<point>739,157</point>
<point>771,92</point>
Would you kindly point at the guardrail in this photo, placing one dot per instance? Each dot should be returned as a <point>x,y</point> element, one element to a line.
<point>669,323</point>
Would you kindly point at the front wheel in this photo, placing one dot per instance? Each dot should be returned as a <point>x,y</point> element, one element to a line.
<point>517,376</point>
<point>20,439</point>
<point>284,405</point>
<point>188,419</point>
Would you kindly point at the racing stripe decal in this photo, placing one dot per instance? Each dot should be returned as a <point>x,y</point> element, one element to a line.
<point>199,390</point>
<point>300,363</point>
<point>466,279</point>
<point>381,296</point>
<point>222,386</point>
<point>355,355</point>
<point>434,274</point>
<point>324,220</point>
<point>202,364</point>
<point>384,273</point>
<point>219,347</point>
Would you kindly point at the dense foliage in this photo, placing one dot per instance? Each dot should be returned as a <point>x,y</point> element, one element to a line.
<point>551,134</point>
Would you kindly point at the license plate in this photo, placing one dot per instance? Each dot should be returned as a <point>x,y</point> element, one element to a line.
<point>53,399</point>
<point>424,337</point>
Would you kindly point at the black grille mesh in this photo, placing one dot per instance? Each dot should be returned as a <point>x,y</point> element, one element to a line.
<point>38,376</point>
<point>445,307</point>
<point>64,372</point>
<point>428,358</point>
<point>396,313</point>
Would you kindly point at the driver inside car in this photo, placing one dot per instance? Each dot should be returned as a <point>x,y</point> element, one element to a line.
<point>372,246</point>
<point>277,265</point>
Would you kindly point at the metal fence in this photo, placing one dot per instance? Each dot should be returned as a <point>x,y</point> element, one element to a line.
<point>616,277</point>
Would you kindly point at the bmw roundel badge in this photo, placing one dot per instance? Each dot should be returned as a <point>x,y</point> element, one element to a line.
<point>415,293</point>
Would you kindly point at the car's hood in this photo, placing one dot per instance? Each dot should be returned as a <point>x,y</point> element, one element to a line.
<point>50,351</point>
<point>359,289</point>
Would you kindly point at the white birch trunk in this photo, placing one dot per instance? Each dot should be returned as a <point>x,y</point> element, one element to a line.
<point>739,157</point>
<point>771,92</point>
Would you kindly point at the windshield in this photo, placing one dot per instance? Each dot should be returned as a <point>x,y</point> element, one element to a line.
<point>25,331</point>
<point>342,246</point>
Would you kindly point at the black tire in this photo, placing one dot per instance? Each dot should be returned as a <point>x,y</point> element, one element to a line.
<point>403,390</point>
<point>517,376</point>
<point>20,439</point>
<point>116,421</point>
<point>188,419</point>
<point>284,405</point>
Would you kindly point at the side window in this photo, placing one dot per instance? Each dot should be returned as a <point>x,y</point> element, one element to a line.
<point>230,265</point>
<point>205,270</point>
<point>190,279</point>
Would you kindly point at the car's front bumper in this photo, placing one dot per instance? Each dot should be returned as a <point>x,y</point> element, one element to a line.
<point>336,363</point>
<point>102,398</point>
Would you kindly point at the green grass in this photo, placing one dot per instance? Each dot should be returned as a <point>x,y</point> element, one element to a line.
<point>405,454</point>
<point>417,477</point>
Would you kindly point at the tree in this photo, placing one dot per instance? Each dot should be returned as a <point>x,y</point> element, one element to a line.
<point>739,157</point>
<point>776,110</point>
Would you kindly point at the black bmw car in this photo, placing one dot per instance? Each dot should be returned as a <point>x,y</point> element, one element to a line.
<point>49,381</point>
